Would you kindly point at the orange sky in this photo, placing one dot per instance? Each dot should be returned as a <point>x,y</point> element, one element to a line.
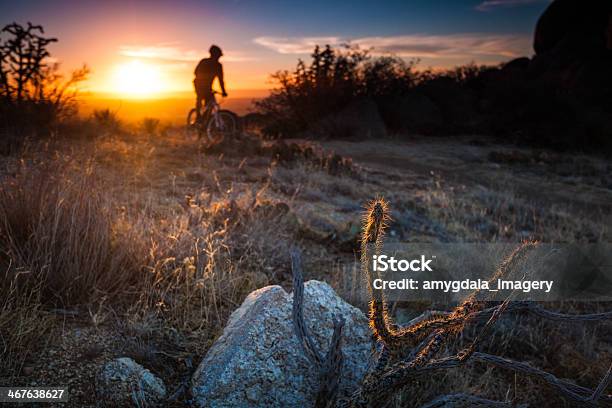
<point>144,49</point>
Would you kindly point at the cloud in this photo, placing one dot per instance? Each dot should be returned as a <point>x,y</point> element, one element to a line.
<point>413,46</point>
<point>491,4</point>
<point>295,45</point>
<point>172,52</point>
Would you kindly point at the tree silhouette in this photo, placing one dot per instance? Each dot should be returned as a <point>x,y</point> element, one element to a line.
<point>22,56</point>
<point>34,95</point>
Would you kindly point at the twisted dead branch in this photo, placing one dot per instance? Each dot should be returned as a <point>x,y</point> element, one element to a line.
<point>603,384</point>
<point>329,366</point>
<point>301,331</point>
<point>537,310</point>
<point>465,401</point>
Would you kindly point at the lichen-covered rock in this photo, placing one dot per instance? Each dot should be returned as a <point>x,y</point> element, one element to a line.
<point>258,362</point>
<point>123,382</point>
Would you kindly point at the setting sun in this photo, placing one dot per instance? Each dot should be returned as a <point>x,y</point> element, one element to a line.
<point>137,79</point>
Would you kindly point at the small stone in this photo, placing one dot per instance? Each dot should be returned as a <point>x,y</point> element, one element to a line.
<point>123,382</point>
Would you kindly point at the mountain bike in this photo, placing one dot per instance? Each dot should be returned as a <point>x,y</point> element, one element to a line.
<point>214,123</point>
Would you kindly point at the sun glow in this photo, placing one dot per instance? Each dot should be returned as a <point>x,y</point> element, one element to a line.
<point>137,80</point>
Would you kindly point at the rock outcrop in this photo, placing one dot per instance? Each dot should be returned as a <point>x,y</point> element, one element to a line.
<point>574,18</point>
<point>573,45</point>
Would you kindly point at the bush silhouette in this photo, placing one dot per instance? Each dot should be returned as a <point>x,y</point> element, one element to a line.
<point>509,101</point>
<point>333,79</point>
<point>34,95</point>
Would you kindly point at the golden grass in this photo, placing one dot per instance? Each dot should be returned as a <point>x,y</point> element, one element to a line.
<point>70,237</point>
<point>57,233</point>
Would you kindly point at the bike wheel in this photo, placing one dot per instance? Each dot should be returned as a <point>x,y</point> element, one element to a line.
<point>193,129</point>
<point>220,126</point>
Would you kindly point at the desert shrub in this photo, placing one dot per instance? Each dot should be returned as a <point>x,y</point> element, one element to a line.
<point>107,120</point>
<point>335,79</point>
<point>289,153</point>
<point>34,95</point>
<point>59,248</point>
<point>150,126</point>
<point>285,153</point>
<point>539,114</point>
<point>511,103</point>
<point>69,241</point>
<point>387,77</point>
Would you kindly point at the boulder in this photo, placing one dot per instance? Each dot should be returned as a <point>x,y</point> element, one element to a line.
<point>573,44</point>
<point>413,112</point>
<point>456,102</point>
<point>517,65</point>
<point>359,120</point>
<point>569,18</point>
<point>123,382</point>
<point>258,361</point>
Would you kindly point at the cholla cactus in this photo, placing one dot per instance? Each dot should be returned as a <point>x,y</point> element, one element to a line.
<point>408,353</point>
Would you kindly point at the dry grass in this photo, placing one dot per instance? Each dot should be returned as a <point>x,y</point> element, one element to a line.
<point>58,249</point>
<point>501,214</point>
<point>71,238</point>
<point>204,260</point>
<point>57,234</point>
<point>23,324</point>
<point>158,243</point>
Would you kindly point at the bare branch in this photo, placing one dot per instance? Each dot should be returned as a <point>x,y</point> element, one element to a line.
<point>467,401</point>
<point>576,393</point>
<point>539,311</point>
<point>513,306</point>
<point>403,373</point>
<point>301,331</point>
<point>561,317</point>
<point>329,367</point>
<point>603,384</point>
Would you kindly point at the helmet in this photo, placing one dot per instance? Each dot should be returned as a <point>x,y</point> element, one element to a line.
<point>215,51</point>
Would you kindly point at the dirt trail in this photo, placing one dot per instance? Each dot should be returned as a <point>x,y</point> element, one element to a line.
<point>580,182</point>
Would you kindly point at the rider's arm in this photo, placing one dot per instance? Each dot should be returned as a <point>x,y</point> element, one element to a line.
<point>221,82</point>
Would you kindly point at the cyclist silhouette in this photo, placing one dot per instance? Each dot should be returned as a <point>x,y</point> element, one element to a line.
<point>205,73</point>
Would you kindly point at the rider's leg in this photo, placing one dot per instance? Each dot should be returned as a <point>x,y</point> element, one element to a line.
<point>198,105</point>
<point>200,95</point>
<point>207,97</point>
